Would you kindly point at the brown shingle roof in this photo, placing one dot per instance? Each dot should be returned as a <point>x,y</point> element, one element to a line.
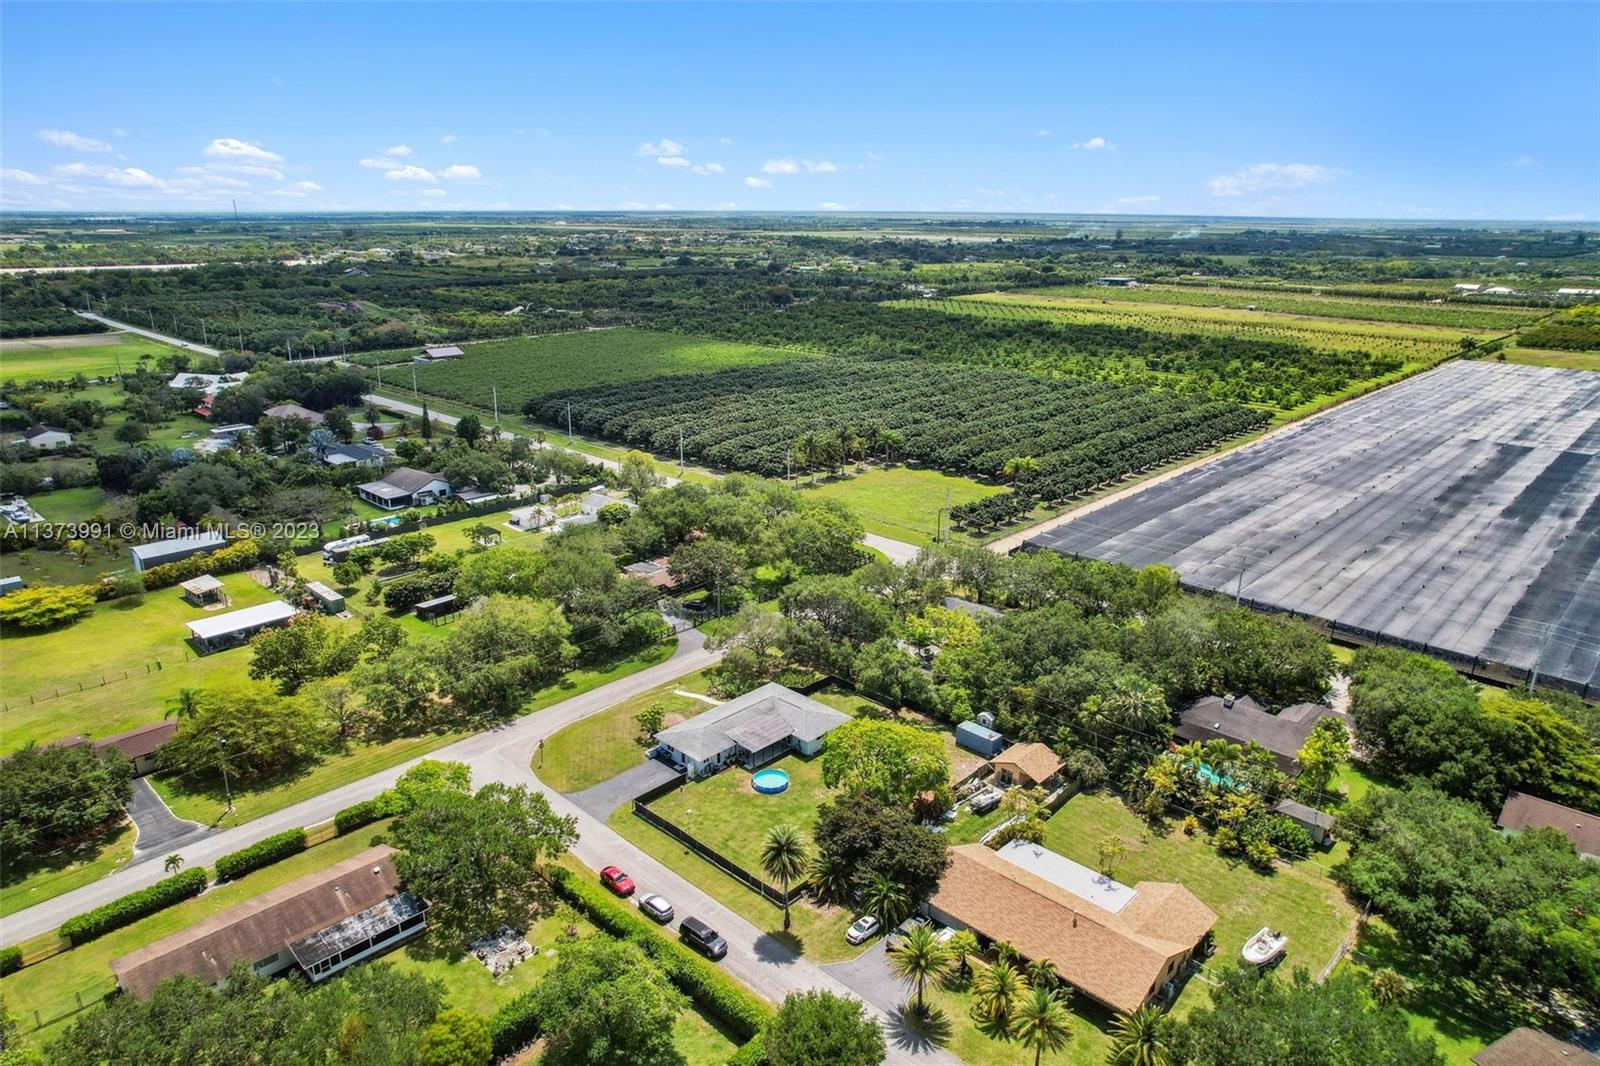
<point>1117,959</point>
<point>1530,1047</point>
<point>1034,759</point>
<point>137,743</point>
<point>255,929</point>
<point>1523,812</point>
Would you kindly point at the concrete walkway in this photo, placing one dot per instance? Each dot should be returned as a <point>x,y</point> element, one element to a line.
<point>159,830</point>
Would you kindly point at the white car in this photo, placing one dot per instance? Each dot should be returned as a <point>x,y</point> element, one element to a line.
<point>656,907</point>
<point>863,929</point>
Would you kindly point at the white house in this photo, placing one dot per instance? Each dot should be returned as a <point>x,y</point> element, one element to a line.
<point>404,487</point>
<point>44,438</point>
<point>753,729</point>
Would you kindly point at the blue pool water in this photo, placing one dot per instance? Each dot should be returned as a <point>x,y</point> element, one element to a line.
<point>770,782</point>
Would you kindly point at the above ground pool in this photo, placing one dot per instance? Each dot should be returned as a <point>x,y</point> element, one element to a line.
<point>770,782</point>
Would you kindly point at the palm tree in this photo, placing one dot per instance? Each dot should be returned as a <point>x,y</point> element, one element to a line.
<point>185,703</point>
<point>1388,987</point>
<point>1042,1023</point>
<point>998,990</point>
<point>1019,467</point>
<point>173,863</point>
<point>918,957</point>
<point>892,441</point>
<point>1041,973</point>
<point>886,899</point>
<point>962,945</point>
<point>1140,1039</point>
<point>830,879</point>
<point>806,450</point>
<point>783,855</point>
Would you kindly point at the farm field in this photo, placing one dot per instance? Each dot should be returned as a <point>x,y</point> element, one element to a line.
<point>1456,315</point>
<point>1553,358</point>
<point>901,502</point>
<point>524,368</point>
<point>56,358</point>
<point>958,419</point>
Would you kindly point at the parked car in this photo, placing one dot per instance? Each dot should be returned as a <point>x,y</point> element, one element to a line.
<point>985,801</point>
<point>656,907</point>
<point>702,938</point>
<point>616,881</point>
<point>863,929</point>
<point>903,930</point>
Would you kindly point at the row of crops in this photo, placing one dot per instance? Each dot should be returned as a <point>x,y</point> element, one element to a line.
<point>960,419</point>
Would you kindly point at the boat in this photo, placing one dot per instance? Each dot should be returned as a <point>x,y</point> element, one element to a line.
<point>1264,946</point>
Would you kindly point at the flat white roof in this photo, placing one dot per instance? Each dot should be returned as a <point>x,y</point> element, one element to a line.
<point>1075,877</point>
<point>206,538</point>
<point>262,614</point>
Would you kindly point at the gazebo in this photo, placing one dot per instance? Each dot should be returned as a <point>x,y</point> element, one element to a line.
<point>205,591</point>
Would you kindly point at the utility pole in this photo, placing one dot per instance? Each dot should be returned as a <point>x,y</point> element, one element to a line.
<point>413,380</point>
<point>380,375</point>
<point>241,340</point>
<point>569,422</point>
<point>494,392</point>
<point>680,449</point>
<point>203,338</point>
<point>1238,589</point>
<point>152,315</point>
<point>222,746</point>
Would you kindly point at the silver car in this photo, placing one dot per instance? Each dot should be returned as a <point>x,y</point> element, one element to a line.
<point>656,907</point>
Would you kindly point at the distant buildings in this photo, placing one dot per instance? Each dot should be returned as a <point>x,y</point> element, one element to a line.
<point>294,410</point>
<point>1117,282</point>
<point>1522,812</point>
<point>43,438</point>
<point>159,552</point>
<point>439,354</point>
<point>210,384</point>
<point>404,487</point>
<point>355,455</point>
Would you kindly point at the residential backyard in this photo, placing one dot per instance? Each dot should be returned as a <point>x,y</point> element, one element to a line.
<point>602,746</point>
<point>727,814</point>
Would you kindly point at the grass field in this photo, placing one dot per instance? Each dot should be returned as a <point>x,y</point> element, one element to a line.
<point>727,813</point>
<point>602,746</point>
<point>92,355</point>
<point>37,567</point>
<point>1299,899</point>
<point>64,872</point>
<point>68,505</point>
<point>1551,357</point>
<point>902,502</point>
<point>525,367</point>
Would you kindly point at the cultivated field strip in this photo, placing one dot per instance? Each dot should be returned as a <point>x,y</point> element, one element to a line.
<point>1459,510</point>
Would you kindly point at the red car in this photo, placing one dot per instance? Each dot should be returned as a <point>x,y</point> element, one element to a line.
<point>616,881</point>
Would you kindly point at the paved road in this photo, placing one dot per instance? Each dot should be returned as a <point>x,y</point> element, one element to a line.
<point>176,342</point>
<point>898,551</point>
<point>478,751</point>
<point>159,830</point>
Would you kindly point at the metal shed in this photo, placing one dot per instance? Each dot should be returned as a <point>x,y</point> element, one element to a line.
<point>980,739</point>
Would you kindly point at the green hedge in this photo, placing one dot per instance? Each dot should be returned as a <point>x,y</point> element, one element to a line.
<point>752,1052</point>
<point>133,906</point>
<point>242,554</point>
<point>513,1026</point>
<point>10,960</point>
<point>357,815</point>
<point>236,864</point>
<point>701,981</point>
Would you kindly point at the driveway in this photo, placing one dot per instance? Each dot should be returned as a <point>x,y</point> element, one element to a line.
<point>159,829</point>
<point>607,796</point>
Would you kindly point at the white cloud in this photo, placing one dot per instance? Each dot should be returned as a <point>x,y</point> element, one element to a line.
<point>233,148</point>
<point>819,166</point>
<point>69,140</point>
<point>1259,177</point>
<point>780,166</point>
<point>1523,162</point>
<point>379,163</point>
<point>725,140</point>
<point>1575,216</point>
<point>448,138</point>
<point>410,172</point>
<point>401,150</point>
<point>708,168</point>
<point>1041,133</point>
<point>309,186</point>
<point>672,161</point>
<point>1135,200</point>
<point>634,205</point>
<point>19,177</point>
<point>255,170</point>
<point>460,172</point>
<point>119,132</point>
<point>1095,144</point>
<point>829,205</point>
<point>728,205</point>
<point>127,177</point>
<point>663,147</point>
<point>758,183</point>
<point>434,193</point>
<point>663,207</point>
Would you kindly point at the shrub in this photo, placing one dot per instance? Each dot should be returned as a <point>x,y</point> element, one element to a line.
<point>242,554</point>
<point>46,606</point>
<point>10,960</point>
<point>694,976</point>
<point>357,815</point>
<point>752,1053</point>
<point>135,905</point>
<point>236,864</point>
<point>514,1025</point>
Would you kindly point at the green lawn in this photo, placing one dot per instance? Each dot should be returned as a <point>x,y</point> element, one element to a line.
<point>902,502</point>
<point>1550,357</point>
<point>973,1042</point>
<point>92,355</point>
<point>204,800</point>
<point>68,505</point>
<point>37,567</point>
<point>66,871</point>
<point>725,811</point>
<point>817,932</point>
<point>1300,899</point>
<point>86,662</point>
<point>601,746</point>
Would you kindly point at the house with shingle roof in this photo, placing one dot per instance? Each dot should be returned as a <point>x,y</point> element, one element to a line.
<point>404,486</point>
<point>752,730</point>
<point>1531,1047</point>
<point>1116,944</point>
<point>1240,719</point>
<point>1523,812</point>
<point>1027,765</point>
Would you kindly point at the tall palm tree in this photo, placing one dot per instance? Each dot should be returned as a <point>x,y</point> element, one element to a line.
<point>1020,467</point>
<point>886,899</point>
<point>1041,973</point>
<point>185,703</point>
<point>892,441</point>
<point>173,863</point>
<point>998,990</point>
<point>805,449</point>
<point>1140,1039</point>
<point>918,957</point>
<point>783,855</point>
<point>830,879</point>
<point>1042,1023</point>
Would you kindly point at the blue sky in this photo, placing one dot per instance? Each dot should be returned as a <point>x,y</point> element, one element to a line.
<point>1363,110</point>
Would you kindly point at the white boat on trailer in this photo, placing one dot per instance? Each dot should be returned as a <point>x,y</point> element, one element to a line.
<point>1264,947</point>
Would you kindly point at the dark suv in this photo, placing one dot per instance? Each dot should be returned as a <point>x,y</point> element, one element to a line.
<point>703,938</point>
